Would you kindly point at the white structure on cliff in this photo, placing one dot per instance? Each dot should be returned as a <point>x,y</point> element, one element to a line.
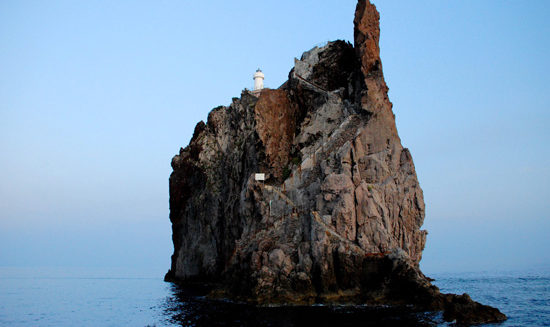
<point>258,80</point>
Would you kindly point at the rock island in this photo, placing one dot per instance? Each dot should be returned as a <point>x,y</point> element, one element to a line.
<point>304,194</point>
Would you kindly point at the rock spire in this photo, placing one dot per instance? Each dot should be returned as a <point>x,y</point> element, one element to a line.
<point>338,218</point>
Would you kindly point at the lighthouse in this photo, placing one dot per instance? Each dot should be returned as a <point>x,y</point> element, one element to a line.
<point>258,80</point>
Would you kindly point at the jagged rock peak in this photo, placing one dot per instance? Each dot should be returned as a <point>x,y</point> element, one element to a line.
<point>338,218</point>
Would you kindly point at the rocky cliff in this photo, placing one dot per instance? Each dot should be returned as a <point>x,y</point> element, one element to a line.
<point>338,219</point>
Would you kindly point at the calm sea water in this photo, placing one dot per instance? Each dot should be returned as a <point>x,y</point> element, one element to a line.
<point>84,297</point>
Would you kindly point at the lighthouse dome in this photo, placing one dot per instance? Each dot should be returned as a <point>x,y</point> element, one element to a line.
<point>258,74</point>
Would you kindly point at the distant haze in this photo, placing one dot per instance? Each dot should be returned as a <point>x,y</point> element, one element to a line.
<point>96,97</point>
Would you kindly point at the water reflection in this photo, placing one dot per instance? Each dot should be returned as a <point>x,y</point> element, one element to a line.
<point>189,307</point>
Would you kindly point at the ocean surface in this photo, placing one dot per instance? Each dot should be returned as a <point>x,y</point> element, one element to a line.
<point>114,297</point>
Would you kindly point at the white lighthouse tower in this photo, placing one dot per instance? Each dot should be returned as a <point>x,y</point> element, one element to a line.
<point>258,80</point>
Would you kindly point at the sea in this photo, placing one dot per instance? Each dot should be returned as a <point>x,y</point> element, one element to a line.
<point>116,297</point>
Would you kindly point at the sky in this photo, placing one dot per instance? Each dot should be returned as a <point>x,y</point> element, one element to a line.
<point>97,96</point>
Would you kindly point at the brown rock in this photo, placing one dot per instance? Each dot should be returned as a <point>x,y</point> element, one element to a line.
<point>275,124</point>
<point>339,222</point>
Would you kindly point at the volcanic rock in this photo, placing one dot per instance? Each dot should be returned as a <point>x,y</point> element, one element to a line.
<point>338,219</point>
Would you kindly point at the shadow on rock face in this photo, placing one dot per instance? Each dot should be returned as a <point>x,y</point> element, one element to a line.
<point>189,307</point>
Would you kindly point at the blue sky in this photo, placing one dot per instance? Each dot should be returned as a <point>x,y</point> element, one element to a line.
<point>97,96</point>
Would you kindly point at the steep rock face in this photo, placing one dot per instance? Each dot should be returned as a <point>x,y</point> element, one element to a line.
<point>339,217</point>
<point>275,124</point>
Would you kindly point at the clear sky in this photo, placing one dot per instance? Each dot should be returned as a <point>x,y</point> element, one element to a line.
<point>97,96</point>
